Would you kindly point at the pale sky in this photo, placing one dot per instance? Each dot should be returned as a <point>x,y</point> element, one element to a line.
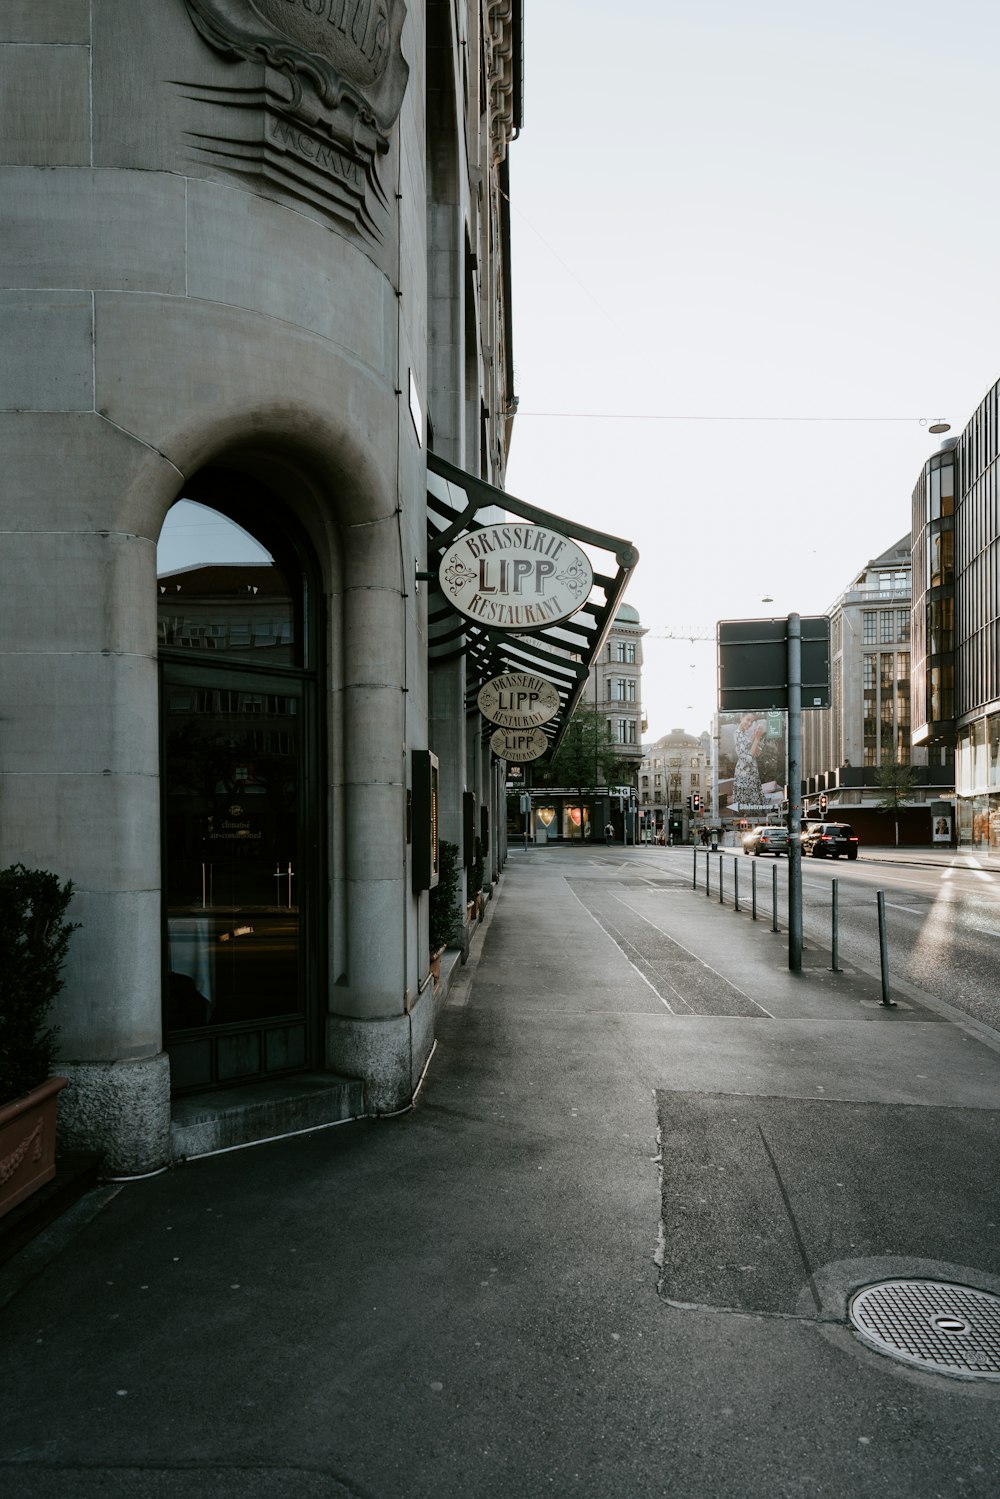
<point>768,210</point>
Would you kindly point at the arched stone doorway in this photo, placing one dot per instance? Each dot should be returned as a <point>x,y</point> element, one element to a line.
<point>242,809</point>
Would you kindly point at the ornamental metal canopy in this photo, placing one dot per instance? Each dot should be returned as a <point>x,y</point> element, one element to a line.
<point>460,505</point>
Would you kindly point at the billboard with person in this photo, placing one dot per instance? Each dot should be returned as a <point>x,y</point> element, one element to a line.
<point>752,763</point>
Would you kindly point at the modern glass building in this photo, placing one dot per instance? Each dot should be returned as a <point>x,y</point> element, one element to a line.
<point>956,617</point>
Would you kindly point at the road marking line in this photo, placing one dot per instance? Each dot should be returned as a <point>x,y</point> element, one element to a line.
<point>718,975</point>
<point>628,960</point>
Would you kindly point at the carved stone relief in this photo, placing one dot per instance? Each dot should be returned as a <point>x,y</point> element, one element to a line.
<point>318,120</point>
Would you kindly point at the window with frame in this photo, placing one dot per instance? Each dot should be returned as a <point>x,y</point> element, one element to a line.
<point>869,627</point>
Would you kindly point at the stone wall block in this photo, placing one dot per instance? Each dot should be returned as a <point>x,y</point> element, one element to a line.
<point>120,1108</point>
<point>100,831</point>
<point>111,1006</point>
<point>374,645</point>
<point>79,714</point>
<point>74,471</point>
<point>46,350</point>
<point>81,228</point>
<point>380,1053</point>
<point>246,251</point>
<point>70,592</point>
<point>375,721</point>
<point>63,21</point>
<point>44,104</point>
<point>376,832</point>
<point>224,378</point>
<point>374,980</point>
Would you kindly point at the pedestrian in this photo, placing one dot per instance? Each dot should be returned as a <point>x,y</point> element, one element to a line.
<point>609,833</point>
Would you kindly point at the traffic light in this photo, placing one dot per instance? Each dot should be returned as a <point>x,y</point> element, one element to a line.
<point>695,800</point>
<point>822,804</point>
<point>690,803</point>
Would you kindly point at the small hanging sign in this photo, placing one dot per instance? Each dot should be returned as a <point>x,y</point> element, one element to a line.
<point>518,700</point>
<point>516,577</point>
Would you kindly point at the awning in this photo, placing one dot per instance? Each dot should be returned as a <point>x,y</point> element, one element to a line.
<point>457,504</point>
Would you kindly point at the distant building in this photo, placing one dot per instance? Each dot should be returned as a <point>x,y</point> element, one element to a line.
<point>615,686</point>
<point>869,722</point>
<point>956,618</point>
<point>673,771</point>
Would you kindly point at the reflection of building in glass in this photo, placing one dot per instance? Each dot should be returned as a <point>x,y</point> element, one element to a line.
<point>240,610</point>
<point>956,613</point>
<point>868,725</point>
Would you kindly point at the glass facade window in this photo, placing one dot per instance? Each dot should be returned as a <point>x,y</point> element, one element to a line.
<point>239,812</point>
<point>941,626</point>
<point>869,626</point>
<point>630,652</point>
<point>941,559</point>
<point>941,693</point>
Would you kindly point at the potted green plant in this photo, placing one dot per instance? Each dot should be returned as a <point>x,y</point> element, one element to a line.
<point>34,937</point>
<point>443,899</point>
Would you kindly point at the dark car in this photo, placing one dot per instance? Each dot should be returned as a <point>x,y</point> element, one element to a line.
<point>828,840</point>
<point>766,841</point>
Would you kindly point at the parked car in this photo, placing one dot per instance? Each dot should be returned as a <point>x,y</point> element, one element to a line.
<point>828,840</point>
<point>766,840</point>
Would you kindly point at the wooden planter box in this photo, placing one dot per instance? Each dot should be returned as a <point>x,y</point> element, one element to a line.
<point>28,1143</point>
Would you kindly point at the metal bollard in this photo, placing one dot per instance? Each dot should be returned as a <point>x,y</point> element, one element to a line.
<point>753,889</point>
<point>720,879</point>
<point>883,950</point>
<point>708,891</point>
<point>694,872</point>
<point>774,898</point>
<point>736,884</point>
<point>834,932</point>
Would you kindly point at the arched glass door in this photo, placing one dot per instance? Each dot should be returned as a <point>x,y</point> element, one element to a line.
<point>240,844</point>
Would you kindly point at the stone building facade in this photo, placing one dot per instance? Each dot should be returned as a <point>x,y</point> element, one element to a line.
<point>615,686</point>
<point>256,266</point>
<point>674,770</point>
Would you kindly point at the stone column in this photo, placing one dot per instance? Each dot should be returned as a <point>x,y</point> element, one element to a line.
<point>79,757</point>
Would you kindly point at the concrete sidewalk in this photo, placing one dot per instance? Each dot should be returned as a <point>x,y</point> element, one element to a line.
<point>608,1253</point>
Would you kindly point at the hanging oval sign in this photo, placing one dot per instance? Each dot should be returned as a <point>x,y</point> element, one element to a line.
<point>518,700</point>
<point>518,745</point>
<point>516,577</point>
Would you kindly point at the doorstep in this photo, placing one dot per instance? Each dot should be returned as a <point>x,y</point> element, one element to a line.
<point>224,1118</point>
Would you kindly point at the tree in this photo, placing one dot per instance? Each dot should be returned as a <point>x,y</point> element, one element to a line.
<point>897,784</point>
<point>587,757</point>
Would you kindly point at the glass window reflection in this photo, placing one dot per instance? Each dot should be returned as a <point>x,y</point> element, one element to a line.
<point>220,592</point>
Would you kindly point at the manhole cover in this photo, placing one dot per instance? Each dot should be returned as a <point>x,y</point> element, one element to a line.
<point>948,1329</point>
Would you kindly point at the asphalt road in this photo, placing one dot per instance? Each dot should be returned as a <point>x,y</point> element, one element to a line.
<point>942,921</point>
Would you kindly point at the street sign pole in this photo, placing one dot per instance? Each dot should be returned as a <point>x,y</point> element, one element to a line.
<point>794,682</point>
